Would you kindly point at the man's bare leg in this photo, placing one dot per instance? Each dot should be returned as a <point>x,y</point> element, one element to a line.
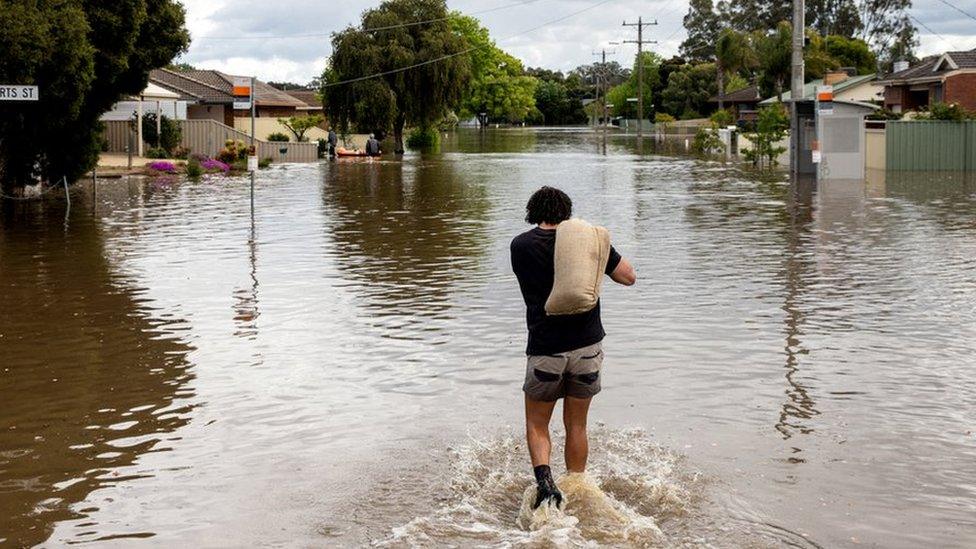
<point>537,416</point>
<point>577,446</point>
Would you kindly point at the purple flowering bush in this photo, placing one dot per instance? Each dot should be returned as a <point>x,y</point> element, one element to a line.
<point>210,166</point>
<point>162,166</point>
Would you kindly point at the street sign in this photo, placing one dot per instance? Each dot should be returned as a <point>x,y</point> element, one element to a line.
<point>242,105</point>
<point>242,86</point>
<point>825,99</point>
<point>17,92</point>
<point>252,163</point>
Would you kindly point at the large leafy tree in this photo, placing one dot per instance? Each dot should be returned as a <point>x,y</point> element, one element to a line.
<point>558,98</point>
<point>386,75</point>
<point>499,88</point>
<point>851,52</point>
<point>688,91</point>
<point>619,96</point>
<point>84,56</point>
<point>702,24</point>
<point>774,51</point>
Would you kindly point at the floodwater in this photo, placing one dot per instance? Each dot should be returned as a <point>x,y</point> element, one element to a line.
<point>795,367</point>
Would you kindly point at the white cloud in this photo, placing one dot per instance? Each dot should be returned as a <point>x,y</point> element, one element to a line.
<point>290,39</point>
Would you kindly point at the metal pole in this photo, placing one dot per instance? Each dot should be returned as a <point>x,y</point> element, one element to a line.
<point>159,124</point>
<point>796,84</point>
<point>252,115</point>
<point>640,79</point>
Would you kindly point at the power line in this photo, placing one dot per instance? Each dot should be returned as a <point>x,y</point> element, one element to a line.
<point>465,51</point>
<point>371,29</point>
<point>926,27</point>
<point>957,8</point>
<point>640,24</point>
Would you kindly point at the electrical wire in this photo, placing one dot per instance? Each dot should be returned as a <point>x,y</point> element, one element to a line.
<point>926,27</point>
<point>465,51</point>
<point>960,10</point>
<point>371,29</point>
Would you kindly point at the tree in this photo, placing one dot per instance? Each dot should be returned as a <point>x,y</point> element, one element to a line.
<point>702,23</point>
<point>499,87</point>
<point>771,126</point>
<point>299,125</point>
<point>618,96</point>
<point>775,50</point>
<point>851,52</point>
<point>84,56</point>
<point>689,90</point>
<point>887,28</point>
<point>733,52</point>
<point>838,17</point>
<point>396,74</point>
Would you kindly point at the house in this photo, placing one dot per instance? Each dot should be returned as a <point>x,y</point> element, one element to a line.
<point>847,87</point>
<point>743,103</point>
<point>946,78</point>
<point>311,99</point>
<point>152,99</point>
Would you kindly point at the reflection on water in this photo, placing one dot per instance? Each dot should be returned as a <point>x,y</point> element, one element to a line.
<point>793,369</point>
<point>92,380</point>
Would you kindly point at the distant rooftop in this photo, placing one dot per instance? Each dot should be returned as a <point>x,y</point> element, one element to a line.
<point>810,88</point>
<point>934,67</point>
<point>211,86</point>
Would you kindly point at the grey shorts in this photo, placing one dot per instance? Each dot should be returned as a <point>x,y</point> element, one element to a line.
<point>573,373</point>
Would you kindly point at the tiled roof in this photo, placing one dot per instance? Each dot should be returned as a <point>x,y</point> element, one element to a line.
<point>926,68</point>
<point>210,86</point>
<point>309,97</point>
<point>810,88</point>
<point>745,95</point>
<point>189,87</point>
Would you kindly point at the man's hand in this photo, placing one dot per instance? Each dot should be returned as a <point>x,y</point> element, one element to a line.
<point>624,273</point>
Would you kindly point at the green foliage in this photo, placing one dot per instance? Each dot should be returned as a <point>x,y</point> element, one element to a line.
<point>84,56</point>
<point>558,99</point>
<point>618,95</point>
<point>721,118</point>
<point>193,168</point>
<point>264,162</point>
<point>771,126</point>
<point>706,141</point>
<point>423,138</point>
<point>701,24</point>
<point>156,152</point>
<point>734,52</point>
<point>851,52</point>
<point>234,151</point>
<point>420,96</point>
<point>774,51</point>
<point>817,61</point>
<point>735,83</point>
<point>171,134</point>
<point>947,111</point>
<point>884,114</point>
<point>278,137</point>
<point>299,125</point>
<point>689,89</point>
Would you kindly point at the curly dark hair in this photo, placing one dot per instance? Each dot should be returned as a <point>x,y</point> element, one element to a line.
<point>548,205</point>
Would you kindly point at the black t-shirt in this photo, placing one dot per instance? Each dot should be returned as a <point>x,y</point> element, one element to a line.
<point>532,261</point>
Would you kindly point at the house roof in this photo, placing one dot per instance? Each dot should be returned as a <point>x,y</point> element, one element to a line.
<point>810,88</point>
<point>210,86</point>
<point>933,67</point>
<point>188,87</point>
<point>749,94</point>
<point>309,97</point>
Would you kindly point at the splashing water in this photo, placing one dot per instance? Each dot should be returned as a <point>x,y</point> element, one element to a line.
<point>632,489</point>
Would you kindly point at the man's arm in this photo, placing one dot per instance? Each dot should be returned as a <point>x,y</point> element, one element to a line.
<point>624,273</point>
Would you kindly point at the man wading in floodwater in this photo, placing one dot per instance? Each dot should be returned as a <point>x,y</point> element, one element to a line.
<point>564,352</point>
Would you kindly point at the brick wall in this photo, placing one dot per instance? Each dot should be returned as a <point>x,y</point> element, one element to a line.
<point>961,88</point>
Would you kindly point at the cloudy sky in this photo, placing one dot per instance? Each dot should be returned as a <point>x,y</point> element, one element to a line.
<point>289,39</point>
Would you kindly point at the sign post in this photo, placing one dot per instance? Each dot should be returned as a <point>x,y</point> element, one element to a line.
<point>18,92</point>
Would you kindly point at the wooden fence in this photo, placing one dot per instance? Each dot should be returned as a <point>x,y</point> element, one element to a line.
<point>208,137</point>
<point>930,145</point>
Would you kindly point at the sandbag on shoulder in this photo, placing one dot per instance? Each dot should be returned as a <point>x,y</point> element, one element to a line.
<point>582,252</point>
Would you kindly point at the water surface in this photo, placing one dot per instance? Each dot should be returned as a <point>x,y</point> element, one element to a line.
<point>794,367</point>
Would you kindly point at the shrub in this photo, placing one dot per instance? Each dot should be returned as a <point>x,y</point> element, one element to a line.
<point>278,137</point>
<point>156,152</point>
<point>707,142</point>
<point>323,147</point>
<point>721,118</point>
<point>180,152</point>
<point>193,168</point>
<point>947,111</point>
<point>162,166</point>
<point>170,132</point>
<point>884,114</point>
<point>213,166</point>
<point>233,151</point>
<point>423,138</point>
<point>771,125</point>
<point>264,162</point>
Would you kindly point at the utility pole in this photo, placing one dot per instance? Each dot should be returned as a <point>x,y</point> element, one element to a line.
<point>604,85</point>
<point>796,84</point>
<point>640,24</point>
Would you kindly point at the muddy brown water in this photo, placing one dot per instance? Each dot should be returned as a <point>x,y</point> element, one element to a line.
<point>795,367</point>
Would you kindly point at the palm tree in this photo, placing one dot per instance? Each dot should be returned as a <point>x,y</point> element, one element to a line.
<point>733,52</point>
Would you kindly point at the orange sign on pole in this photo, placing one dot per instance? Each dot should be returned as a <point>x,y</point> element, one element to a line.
<point>242,87</point>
